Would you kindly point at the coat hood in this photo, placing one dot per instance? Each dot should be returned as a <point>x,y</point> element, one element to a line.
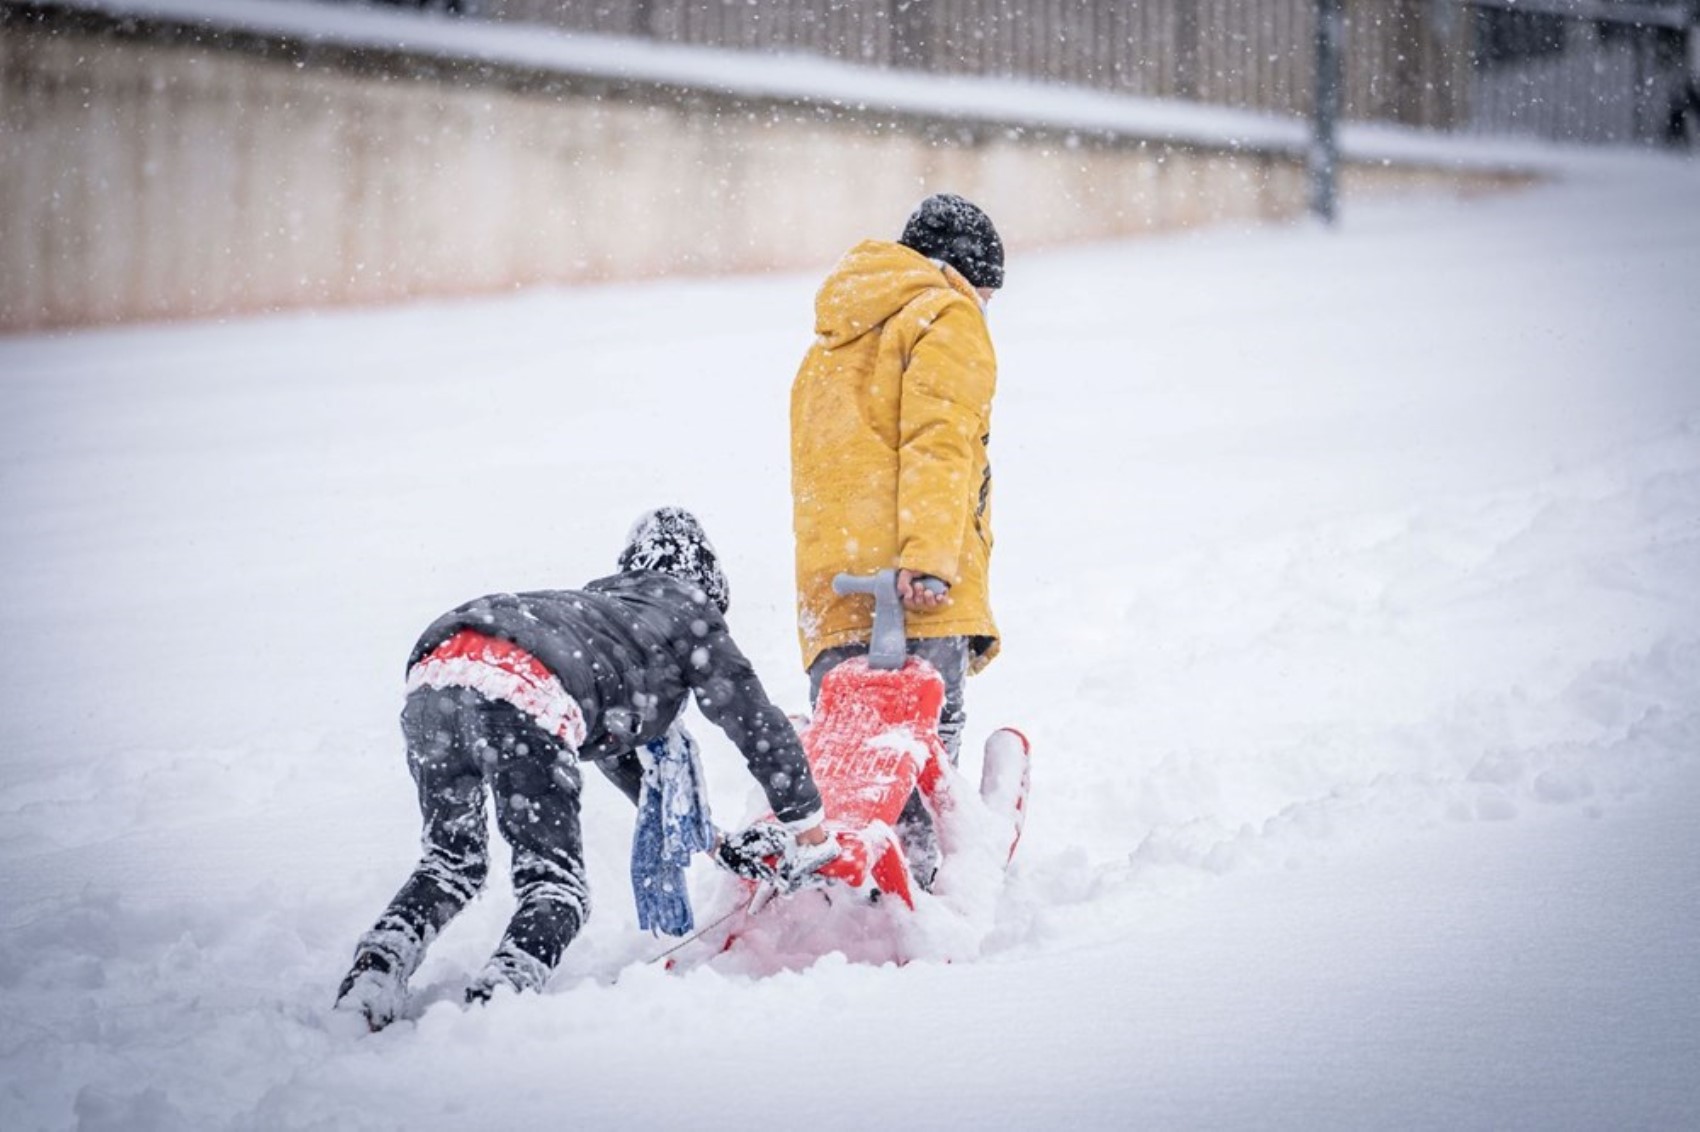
<point>875,280</point>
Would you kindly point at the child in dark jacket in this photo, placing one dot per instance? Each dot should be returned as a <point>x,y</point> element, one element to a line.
<point>513,691</point>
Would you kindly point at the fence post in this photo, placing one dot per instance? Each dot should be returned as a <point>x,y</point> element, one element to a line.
<point>1324,150</point>
<point>1186,50</point>
<point>911,47</point>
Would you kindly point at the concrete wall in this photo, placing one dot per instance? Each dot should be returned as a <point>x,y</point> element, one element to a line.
<point>150,171</point>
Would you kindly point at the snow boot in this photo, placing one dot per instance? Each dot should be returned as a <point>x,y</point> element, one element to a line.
<point>920,841</point>
<point>373,990</point>
<point>510,966</point>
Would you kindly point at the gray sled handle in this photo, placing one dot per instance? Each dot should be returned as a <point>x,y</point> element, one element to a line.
<point>888,647</point>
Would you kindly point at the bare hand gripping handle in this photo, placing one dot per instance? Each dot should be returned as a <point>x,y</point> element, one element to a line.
<point>888,646</point>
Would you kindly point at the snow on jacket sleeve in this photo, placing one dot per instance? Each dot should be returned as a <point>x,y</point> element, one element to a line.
<point>732,697</point>
<point>947,394</point>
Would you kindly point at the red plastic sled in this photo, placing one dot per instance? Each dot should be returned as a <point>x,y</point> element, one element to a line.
<point>873,741</point>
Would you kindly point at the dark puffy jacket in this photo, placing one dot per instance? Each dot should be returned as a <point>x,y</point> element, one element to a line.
<point>628,648</point>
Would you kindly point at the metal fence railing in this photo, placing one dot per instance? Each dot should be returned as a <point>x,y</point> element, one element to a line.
<point>1578,70</point>
<point>1586,72</point>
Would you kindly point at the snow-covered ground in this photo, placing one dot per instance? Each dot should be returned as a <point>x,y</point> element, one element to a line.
<point>1349,590</point>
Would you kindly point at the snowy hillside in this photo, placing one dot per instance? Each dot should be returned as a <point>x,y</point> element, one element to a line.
<point>1349,590</point>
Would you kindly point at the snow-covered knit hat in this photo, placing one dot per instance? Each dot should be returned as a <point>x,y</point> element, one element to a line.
<point>950,228</point>
<point>671,541</point>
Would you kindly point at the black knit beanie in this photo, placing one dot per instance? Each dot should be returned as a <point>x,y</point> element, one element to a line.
<point>671,541</point>
<point>950,228</point>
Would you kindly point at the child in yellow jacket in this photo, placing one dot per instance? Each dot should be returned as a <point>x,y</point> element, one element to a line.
<point>890,420</point>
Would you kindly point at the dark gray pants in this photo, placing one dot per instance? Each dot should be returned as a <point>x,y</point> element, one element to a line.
<point>457,741</point>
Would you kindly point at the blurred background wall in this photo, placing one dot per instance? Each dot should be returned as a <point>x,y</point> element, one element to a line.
<point>155,165</point>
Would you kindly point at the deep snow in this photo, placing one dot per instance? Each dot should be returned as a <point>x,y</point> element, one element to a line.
<point>1348,589</point>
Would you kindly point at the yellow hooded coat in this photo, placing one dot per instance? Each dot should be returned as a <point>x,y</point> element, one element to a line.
<point>890,416</point>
